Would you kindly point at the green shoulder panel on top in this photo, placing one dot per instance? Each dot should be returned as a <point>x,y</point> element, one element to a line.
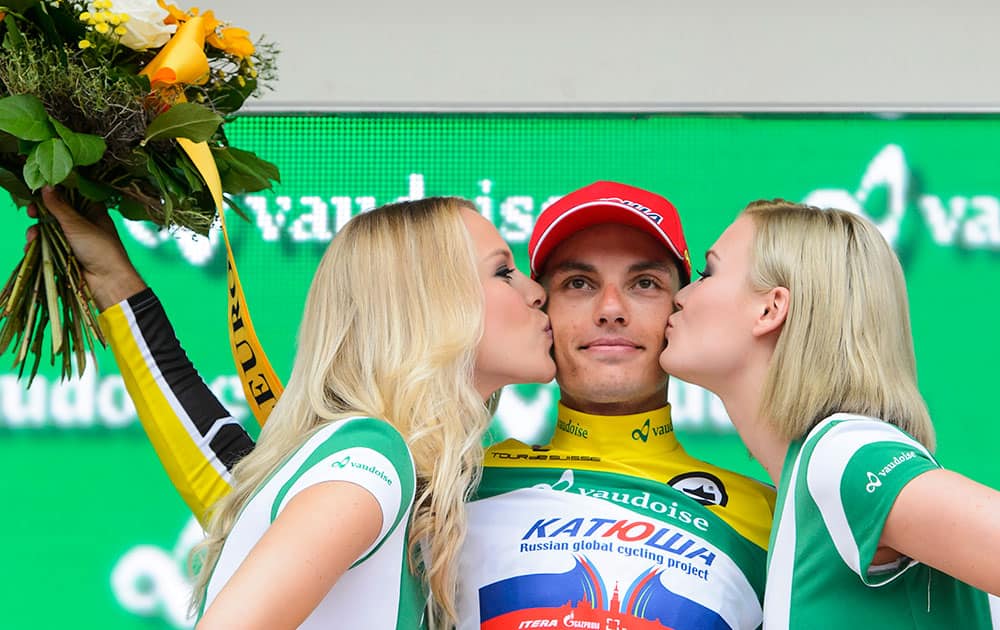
<point>370,433</point>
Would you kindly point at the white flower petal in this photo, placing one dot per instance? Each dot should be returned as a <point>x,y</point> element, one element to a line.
<point>145,27</point>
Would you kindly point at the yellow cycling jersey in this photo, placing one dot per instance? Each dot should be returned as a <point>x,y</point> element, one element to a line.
<point>613,524</point>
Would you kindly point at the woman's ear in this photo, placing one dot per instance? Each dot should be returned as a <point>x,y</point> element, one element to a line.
<point>774,310</point>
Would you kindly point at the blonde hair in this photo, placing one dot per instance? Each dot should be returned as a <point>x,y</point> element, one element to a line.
<point>390,330</point>
<point>846,344</point>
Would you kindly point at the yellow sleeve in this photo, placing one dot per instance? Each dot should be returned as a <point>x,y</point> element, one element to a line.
<point>194,436</point>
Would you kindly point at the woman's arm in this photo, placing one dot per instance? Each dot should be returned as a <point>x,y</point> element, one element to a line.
<point>315,539</point>
<point>951,523</point>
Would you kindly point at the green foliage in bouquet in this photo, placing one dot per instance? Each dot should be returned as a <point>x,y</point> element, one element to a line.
<point>98,98</point>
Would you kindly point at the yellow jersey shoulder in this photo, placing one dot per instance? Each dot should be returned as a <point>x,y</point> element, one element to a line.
<point>745,503</point>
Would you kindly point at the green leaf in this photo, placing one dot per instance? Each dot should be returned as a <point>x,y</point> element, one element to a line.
<point>133,209</point>
<point>165,178</point>
<point>20,193</point>
<point>66,26</point>
<point>42,19</point>
<point>53,161</point>
<point>85,148</point>
<point>184,166</point>
<point>168,210</point>
<point>232,95</point>
<point>25,117</point>
<point>184,120</point>
<point>20,6</point>
<point>33,175</point>
<point>171,190</point>
<point>94,191</point>
<point>243,172</point>
<point>236,208</point>
<point>260,165</point>
<point>14,40</point>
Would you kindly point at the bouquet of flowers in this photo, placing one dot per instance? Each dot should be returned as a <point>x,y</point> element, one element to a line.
<point>120,103</point>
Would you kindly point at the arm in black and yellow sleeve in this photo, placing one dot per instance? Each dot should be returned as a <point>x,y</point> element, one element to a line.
<point>196,439</point>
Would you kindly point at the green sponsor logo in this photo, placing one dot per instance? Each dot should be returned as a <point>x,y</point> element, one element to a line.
<point>567,426</point>
<point>368,468</point>
<point>343,462</point>
<point>642,433</point>
<point>884,195</point>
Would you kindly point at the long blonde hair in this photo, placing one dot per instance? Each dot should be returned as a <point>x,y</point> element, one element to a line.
<point>846,344</point>
<point>390,330</point>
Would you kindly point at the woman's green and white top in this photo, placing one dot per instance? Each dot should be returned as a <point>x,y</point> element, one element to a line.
<point>837,487</point>
<point>379,591</point>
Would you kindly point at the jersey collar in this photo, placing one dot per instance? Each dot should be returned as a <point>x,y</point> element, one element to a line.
<point>640,434</point>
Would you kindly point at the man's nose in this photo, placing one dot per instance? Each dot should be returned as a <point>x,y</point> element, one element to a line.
<point>611,306</point>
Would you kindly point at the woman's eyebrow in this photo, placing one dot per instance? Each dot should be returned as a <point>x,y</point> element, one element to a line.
<point>500,252</point>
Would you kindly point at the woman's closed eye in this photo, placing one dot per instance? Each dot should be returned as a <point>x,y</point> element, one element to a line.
<point>506,272</point>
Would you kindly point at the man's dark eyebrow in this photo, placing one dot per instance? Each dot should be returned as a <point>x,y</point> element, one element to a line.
<point>651,265</point>
<point>571,265</point>
<point>576,265</point>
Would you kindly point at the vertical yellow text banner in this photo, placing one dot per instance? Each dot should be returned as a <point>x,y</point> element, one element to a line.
<point>260,384</point>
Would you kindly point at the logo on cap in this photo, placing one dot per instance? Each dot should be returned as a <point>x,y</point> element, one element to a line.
<point>655,217</point>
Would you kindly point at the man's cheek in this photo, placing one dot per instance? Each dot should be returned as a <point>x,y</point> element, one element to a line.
<point>562,350</point>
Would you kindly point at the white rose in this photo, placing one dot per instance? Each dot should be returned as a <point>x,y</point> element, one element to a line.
<point>145,27</point>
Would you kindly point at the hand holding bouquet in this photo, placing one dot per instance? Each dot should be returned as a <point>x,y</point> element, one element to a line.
<point>120,103</point>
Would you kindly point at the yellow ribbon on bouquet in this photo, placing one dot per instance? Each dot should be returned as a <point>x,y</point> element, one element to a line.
<point>182,61</point>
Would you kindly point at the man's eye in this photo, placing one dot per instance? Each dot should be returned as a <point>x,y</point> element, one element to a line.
<point>577,283</point>
<point>646,283</point>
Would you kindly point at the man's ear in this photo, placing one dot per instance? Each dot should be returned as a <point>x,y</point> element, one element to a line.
<point>774,311</point>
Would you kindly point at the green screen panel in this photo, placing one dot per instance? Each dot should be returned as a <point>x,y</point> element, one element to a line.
<point>98,534</point>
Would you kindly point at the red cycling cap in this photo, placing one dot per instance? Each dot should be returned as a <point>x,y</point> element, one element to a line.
<point>608,202</point>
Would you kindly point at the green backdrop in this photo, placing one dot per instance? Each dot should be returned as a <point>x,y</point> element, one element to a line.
<point>96,536</point>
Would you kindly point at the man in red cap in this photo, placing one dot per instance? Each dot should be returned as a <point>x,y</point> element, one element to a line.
<point>612,522</point>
